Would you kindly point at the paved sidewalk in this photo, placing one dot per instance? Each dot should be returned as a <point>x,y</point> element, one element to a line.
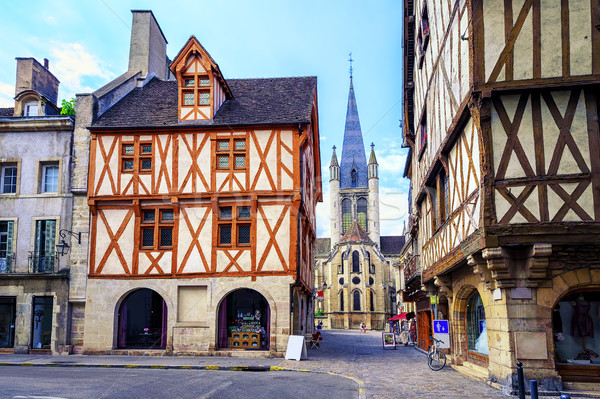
<point>389,373</point>
<point>193,362</point>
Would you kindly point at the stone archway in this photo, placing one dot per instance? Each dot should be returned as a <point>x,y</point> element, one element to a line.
<point>244,321</point>
<point>142,321</point>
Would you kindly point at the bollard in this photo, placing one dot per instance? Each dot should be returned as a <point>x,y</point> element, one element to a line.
<point>565,396</point>
<point>521,380</point>
<point>534,389</point>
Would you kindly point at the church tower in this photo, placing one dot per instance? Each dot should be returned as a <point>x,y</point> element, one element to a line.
<point>353,268</point>
<point>354,185</point>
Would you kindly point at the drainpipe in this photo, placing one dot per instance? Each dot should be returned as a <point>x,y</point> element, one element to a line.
<point>298,224</point>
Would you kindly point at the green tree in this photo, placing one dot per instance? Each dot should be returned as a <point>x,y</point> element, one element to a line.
<point>68,107</point>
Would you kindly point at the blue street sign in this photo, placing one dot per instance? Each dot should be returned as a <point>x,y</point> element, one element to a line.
<point>440,327</point>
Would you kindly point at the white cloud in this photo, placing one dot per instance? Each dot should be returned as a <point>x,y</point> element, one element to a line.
<point>7,93</point>
<point>393,210</point>
<point>72,64</point>
<point>323,222</point>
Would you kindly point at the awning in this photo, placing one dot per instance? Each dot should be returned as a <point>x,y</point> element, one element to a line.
<point>400,316</point>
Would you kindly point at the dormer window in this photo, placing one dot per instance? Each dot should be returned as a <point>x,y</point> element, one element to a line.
<point>31,108</point>
<point>354,176</point>
<point>202,89</point>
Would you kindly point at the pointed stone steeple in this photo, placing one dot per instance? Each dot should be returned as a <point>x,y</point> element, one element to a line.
<point>334,167</point>
<point>373,165</point>
<point>353,151</point>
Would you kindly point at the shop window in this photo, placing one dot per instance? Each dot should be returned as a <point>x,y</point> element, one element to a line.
<point>476,325</point>
<point>8,178</point>
<point>41,327</point>
<point>356,301</point>
<point>361,210</point>
<point>142,321</point>
<point>355,262</point>
<point>235,226</point>
<point>576,330</point>
<point>157,229</point>
<point>231,154</point>
<point>346,215</point>
<point>7,321</point>
<point>136,154</point>
<point>244,320</point>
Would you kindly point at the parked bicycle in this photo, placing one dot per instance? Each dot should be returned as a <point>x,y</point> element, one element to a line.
<point>436,359</point>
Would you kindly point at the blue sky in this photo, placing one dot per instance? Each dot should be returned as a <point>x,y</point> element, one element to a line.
<point>87,43</point>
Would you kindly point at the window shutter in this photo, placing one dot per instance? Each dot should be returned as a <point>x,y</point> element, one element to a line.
<point>9,239</point>
<point>49,245</point>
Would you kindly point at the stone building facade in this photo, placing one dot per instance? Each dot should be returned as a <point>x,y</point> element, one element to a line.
<point>35,211</point>
<point>354,277</point>
<point>501,121</point>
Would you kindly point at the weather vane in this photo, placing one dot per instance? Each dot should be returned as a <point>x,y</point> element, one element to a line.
<point>350,59</point>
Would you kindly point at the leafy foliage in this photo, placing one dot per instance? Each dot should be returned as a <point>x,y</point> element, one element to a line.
<point>68,107</point>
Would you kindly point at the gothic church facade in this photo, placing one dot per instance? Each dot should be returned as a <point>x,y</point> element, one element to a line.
<point>354,278</point>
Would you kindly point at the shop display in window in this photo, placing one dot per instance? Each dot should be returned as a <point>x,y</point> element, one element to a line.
<point>576,325</point>
<point>246,331</point>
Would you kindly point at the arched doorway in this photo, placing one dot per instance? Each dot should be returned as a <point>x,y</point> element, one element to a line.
<point>142,321</point>
<point>576,333</point>
<point>244,321</point>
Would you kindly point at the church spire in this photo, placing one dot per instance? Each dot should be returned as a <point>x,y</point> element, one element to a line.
<point>353,150</point>
<point>334,167</point>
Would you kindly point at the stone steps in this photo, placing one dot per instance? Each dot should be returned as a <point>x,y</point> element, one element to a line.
<point>473,371</point>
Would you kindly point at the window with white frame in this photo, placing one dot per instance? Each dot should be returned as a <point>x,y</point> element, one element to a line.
<point>49,178</point>
<point>8,179</point>
<point>31,108</point>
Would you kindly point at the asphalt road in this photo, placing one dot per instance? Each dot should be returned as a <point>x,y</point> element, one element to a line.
<point>99,383</point>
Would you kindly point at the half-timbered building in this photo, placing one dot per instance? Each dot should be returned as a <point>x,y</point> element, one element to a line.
<point>501,118</point>
<point>354,276</point>
<point>202,193</point>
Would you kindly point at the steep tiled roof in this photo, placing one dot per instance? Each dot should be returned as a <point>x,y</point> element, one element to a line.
<point>391,245</point>
<point>322,246</point>
<point>7,111</point>
<point>256,101</point>
<point>356,234</point>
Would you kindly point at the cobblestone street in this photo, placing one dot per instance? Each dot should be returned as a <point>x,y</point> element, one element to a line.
<point>400,373</point>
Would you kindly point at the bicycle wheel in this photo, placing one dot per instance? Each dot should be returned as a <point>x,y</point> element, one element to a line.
<point>436,360</point>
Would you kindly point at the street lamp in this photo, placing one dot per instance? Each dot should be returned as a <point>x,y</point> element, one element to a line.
<point>62,248</point>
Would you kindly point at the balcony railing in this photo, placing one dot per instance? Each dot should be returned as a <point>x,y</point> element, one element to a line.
<point>411,268</point>
<point>42,263</point>
<point>7,262</point>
